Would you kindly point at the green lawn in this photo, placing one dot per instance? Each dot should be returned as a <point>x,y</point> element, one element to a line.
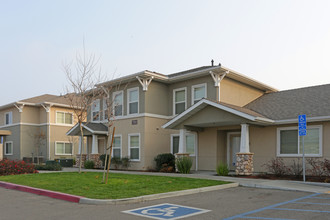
<point>88,184</point>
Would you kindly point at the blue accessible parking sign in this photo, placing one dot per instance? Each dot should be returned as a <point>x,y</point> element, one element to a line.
<point>166,211</point>
<point>302,125</point>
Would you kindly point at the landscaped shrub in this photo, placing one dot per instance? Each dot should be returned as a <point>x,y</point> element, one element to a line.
<point>165,162</point>
<point>125,162</point>
<point>296,168</point>
<point>89,164</point>
<point>184,164</point>
<point>222,169</point>
<point>51,167</point>
<point>277,167</point>
<point>116,161</point>
<point>11,167</point>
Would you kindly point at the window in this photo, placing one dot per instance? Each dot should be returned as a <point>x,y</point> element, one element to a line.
<point>190,143</point>
<point>288,141</point>
<point>179,99</point>
<point>96,110</point>
<point>134,147</point>
<point>8,118</point>
<point>64,118</point>
<point>9,148</point>
<point>118,98</point>
<point>133,101</point>
<point>63,148</point>
<point>175,139</point>
<point>105,109</point>
<point>116,149</point>
<point>198,92</point>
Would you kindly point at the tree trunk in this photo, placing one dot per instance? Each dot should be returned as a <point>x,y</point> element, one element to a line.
<point>82,146</point>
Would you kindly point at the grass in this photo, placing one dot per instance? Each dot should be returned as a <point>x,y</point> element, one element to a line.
<point>88,184</point>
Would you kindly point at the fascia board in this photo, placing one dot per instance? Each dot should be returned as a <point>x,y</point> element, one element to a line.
<point>69,131</point>
<point>308,119</point>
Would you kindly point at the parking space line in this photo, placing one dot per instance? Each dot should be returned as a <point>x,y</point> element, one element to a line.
<point>320,197</point>
<point>243,215</point>
<point>312,203</point>
<point>253,217</point>
<point>300,210</point>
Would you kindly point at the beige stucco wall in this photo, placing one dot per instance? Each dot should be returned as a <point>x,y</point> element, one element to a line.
<point>207,149</point>
<point>236,93</point>
<point>15,138</point>
<point>31,114</point>
<point>156,99</point>
<point>15,113</point>
<point>58,134</point>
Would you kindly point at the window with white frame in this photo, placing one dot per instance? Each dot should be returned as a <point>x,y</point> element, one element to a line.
<point>8,118</point>
<point>190,143</point>
<point>179,100</point>
<point>63,148</point>
<point>175,139</point>
<point>64,118</point>
<point>96,110</point>
<point>9,148</point>
<point>134,147</point>
<point>118,98</point>
<point>198,92</point>
<point>116,148</point>
<point>105,109</point>
<point>133,101</point>
<point>290,144</point>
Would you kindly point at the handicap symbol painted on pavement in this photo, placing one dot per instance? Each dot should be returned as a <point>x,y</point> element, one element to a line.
<point>166,211</point>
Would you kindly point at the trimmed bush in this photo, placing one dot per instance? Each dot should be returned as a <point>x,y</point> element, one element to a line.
<point>11,167</point>
<point>125,162</point>
<point>89,164</point>
<point>116,161</point>
<point>222,169</point>
<point>165,162</point>
<point>184,164</point>
<point>277,167</point>
<point>51,167</point>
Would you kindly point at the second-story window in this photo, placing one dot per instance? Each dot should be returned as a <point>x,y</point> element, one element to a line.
<point>8,118</point>
<point>198,92</point>
<point>96,110</point>
<point>118,103</point>
<point>133,101</point>
<point>179,97</point>
<point>64,118</point>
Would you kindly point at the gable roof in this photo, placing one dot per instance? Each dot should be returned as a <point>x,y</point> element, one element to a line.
<point>91,127</point>
<point>313,101</point>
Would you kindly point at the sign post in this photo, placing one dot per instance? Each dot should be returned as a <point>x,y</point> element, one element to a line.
<point>302,127</point>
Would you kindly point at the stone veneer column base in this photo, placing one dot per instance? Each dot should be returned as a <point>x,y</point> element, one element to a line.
<point>78,159</point>
<point>244,164</point>
<point>96,159</point>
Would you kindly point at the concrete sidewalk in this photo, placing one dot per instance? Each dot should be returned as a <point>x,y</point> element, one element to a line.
<point>247,182</point>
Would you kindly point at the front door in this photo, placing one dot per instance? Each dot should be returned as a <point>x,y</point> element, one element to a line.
<point>233,147</point>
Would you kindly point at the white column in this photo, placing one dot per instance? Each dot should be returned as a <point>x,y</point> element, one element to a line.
<point>79,148</point>
<point>94,145</point>
<point>245,146</point>
<point>182,141</point>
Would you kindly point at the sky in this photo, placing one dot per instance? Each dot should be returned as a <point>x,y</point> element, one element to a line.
<point>282,43</point>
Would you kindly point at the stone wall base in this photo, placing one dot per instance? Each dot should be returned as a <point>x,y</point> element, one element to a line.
<point>84,156</point>
<point>244,164</point>
<point>96,159</point>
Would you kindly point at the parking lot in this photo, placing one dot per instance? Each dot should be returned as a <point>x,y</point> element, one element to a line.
<point>233,203</point>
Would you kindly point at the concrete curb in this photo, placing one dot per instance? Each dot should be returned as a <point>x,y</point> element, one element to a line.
<point>154,196</point>
<point>84,200</point>
<point>42,192</point>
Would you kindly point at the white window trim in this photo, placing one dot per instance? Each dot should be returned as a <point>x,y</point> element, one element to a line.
<point>122,101</point>
<point>121,144</point>
<point>12,147</point>
<point>197,86</point>
<point>173,135</point>
<point>185,98</point>
<point>64,118</point>
<point>104,107</point>
<point>92,118</point>
<point>138,100</point>
<point>278,154</point>
<point>129,146</point>
<point>10,118</point>
<point>65,142</point>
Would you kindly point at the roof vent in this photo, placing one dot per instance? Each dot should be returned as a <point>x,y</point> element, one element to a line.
<point>212,62</point>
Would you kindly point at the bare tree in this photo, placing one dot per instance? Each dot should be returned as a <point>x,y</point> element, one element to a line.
<point>40,140</point>
<point>82,74</point>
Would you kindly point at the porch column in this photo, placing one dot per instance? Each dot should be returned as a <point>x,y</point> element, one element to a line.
<point>182,141</point>
<point>95,149</point>
<point>245,145</point>
<point>79,148</point>
<point>244,158</point>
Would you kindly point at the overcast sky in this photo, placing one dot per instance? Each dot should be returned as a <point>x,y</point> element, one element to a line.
<point>285,44</point>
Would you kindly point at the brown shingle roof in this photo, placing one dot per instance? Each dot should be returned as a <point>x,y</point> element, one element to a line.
<point>313,101</point>
<point>47,98</point>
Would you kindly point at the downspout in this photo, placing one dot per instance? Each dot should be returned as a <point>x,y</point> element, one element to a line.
<point>47,109</point>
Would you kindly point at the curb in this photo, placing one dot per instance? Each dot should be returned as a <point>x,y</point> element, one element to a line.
<point>42,192</point>
<point>154,196</point>
<point>84,200</point>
